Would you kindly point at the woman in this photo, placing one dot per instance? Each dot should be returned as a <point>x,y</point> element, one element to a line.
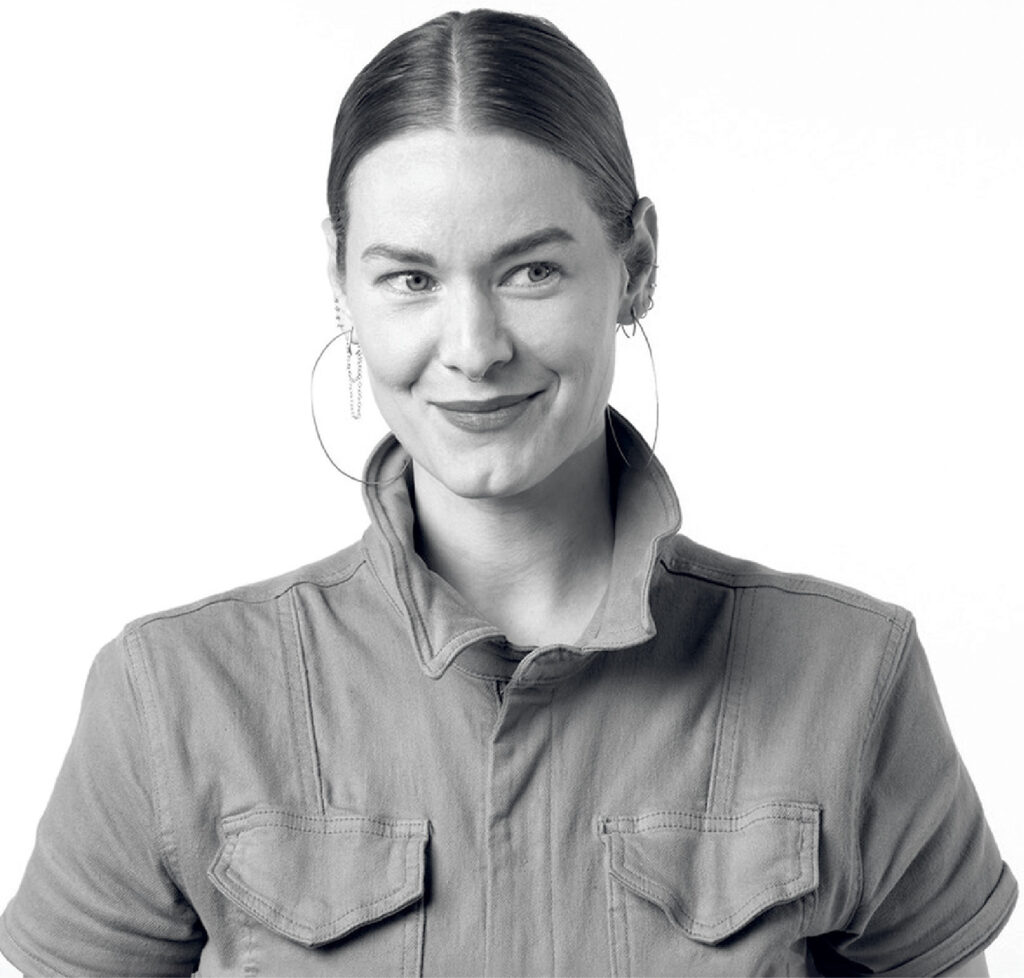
<point>522,727</point>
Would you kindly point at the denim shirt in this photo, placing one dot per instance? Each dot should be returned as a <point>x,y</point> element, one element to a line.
<point>346,771</point>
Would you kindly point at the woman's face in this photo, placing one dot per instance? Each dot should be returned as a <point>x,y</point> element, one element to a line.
<point>485,294</point>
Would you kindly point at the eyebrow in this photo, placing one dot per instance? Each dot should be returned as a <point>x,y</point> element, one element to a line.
<point>548,235</point>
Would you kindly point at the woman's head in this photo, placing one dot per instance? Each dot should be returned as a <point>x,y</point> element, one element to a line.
<point>486,239</point>
<point>489,70</point>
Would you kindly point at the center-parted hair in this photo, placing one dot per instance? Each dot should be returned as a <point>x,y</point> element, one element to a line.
<point>489,70</point>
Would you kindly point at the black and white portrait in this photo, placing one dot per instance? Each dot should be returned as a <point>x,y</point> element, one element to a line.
<point>557,513</point>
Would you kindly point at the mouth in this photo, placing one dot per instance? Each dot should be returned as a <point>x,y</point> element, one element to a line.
<point>483,406</point>
<point>487,414</point>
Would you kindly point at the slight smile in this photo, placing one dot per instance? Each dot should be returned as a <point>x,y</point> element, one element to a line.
<point>490,414</point>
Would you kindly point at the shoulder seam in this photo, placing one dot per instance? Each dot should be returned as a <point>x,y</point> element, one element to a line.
<point>791,584</point>
<point>238,596</point>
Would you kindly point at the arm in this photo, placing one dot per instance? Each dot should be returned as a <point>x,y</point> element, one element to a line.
<point>933,885</point>
<point>98,896</point>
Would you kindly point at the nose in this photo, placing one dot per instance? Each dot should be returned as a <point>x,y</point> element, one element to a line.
<point>473,339</point>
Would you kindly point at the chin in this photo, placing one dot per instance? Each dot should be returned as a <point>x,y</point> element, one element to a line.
<point>482,478</point>
<point>484,485</point>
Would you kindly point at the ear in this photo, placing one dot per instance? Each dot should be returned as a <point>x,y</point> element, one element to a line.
<point>334,276</point>
<point>638,294</point>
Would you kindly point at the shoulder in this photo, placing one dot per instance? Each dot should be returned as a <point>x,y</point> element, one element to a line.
<point>684,557</point>
<point>235,660</point>
<point>242,623</point>
<point>325,573</point>
<point>815,633</point>
<point>792,598</point>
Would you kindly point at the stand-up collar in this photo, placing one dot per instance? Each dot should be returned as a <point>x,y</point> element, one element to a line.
<point>442,625</point>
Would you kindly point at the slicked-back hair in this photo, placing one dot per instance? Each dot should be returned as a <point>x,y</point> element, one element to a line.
<point>489,70</point>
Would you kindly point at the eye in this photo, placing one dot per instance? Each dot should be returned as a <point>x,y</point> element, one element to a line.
<point>410,283</point>
<point>533,273</point>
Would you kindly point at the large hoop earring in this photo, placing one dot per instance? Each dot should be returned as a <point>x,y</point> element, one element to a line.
<point>629,331</point>
<point>354,377</point>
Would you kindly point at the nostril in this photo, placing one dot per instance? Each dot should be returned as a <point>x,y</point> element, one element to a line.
<point>476,372</point>
<point>475,343</point>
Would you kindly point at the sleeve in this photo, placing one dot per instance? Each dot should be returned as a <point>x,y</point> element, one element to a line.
<point>97,896</point>
<point>934,890</point>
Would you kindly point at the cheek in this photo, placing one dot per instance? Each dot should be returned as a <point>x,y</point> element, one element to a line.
<point>396,353</point>
<point>582,343</point>
<point>600,370</point>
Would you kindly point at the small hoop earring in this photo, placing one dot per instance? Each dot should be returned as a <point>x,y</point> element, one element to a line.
<point>629,329</point>
<point>633,327</point>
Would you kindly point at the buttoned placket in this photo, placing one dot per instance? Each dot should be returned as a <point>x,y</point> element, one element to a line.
<point>517,835</point>
<point>520,913</point>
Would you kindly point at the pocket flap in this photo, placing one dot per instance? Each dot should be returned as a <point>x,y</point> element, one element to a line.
<point>713,874</point>
<point>316,878</point>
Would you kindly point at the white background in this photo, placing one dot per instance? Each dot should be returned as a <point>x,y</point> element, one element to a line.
<point>838,322</point>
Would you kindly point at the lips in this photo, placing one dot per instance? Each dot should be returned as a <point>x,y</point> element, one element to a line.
<point>487,414</point>
<point>481,406</point>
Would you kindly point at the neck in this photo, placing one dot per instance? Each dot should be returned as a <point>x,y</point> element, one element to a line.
<point>536,564</point>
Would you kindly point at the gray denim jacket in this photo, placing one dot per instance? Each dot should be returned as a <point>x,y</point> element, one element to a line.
<point>344,771</point>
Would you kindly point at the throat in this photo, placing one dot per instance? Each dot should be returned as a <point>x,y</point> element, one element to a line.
<point>537,568</point>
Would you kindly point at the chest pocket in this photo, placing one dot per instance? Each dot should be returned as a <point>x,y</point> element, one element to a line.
<point>336,894</point>
<point>710,894</point>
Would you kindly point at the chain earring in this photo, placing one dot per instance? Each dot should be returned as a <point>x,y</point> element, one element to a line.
<point>354,354</point>
<point>353,364</point>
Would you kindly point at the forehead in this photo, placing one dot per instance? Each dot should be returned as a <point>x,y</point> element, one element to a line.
<point>463,191</point>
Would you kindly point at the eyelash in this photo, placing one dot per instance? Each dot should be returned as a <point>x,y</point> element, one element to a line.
<point>393,276</point>
<point>554,271</point>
